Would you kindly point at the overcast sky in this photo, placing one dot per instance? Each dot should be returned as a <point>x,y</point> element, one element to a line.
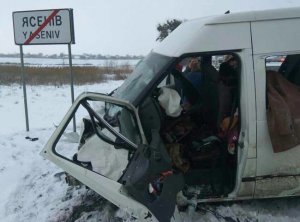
<point>121,26</point>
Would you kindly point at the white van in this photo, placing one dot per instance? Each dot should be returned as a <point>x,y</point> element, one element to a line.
<point>218,132</point>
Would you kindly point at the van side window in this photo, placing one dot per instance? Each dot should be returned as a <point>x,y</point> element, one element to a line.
<point>288,66</point>
<point>283,101</point>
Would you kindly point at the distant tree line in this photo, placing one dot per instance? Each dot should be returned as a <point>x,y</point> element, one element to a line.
<point>63,55</point>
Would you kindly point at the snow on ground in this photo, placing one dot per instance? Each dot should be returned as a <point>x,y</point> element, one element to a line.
<point>33,189</point>
<point>46,104</point>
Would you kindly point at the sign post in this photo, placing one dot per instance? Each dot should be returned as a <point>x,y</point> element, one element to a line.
<point>24,88</point>
<point>72,83</point>
<point>44,27</point>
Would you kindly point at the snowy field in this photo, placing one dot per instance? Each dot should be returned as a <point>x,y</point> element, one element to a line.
<point>32,189</point>
<point>65,62</point>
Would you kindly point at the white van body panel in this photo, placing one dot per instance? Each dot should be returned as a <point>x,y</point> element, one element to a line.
<point>276,36</point>
<point>247,140</point>
<point>195,36</point>
<point>232,31</point>
<point>277,173</point>
<point>274,170</point>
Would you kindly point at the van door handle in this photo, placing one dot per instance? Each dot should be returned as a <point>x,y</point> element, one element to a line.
<point>241,144</point>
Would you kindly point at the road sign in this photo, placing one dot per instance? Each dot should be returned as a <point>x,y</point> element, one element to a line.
<point>53,26</point>
<point>44,27</point>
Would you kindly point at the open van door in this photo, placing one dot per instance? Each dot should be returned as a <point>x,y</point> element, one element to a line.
<point>147,187</point>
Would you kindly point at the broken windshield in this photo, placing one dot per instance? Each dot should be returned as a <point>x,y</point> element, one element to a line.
<point>142,75</point>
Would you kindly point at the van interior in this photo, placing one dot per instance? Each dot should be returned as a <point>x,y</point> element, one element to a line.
<point>201,140</point>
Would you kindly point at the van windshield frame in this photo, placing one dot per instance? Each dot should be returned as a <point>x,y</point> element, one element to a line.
<point>147,71</point>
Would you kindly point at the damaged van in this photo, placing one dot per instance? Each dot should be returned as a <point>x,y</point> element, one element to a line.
<point>172,135</point>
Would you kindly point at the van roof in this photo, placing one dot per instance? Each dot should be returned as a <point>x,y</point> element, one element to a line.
<point>218,33</point>
<point>271,14</point>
